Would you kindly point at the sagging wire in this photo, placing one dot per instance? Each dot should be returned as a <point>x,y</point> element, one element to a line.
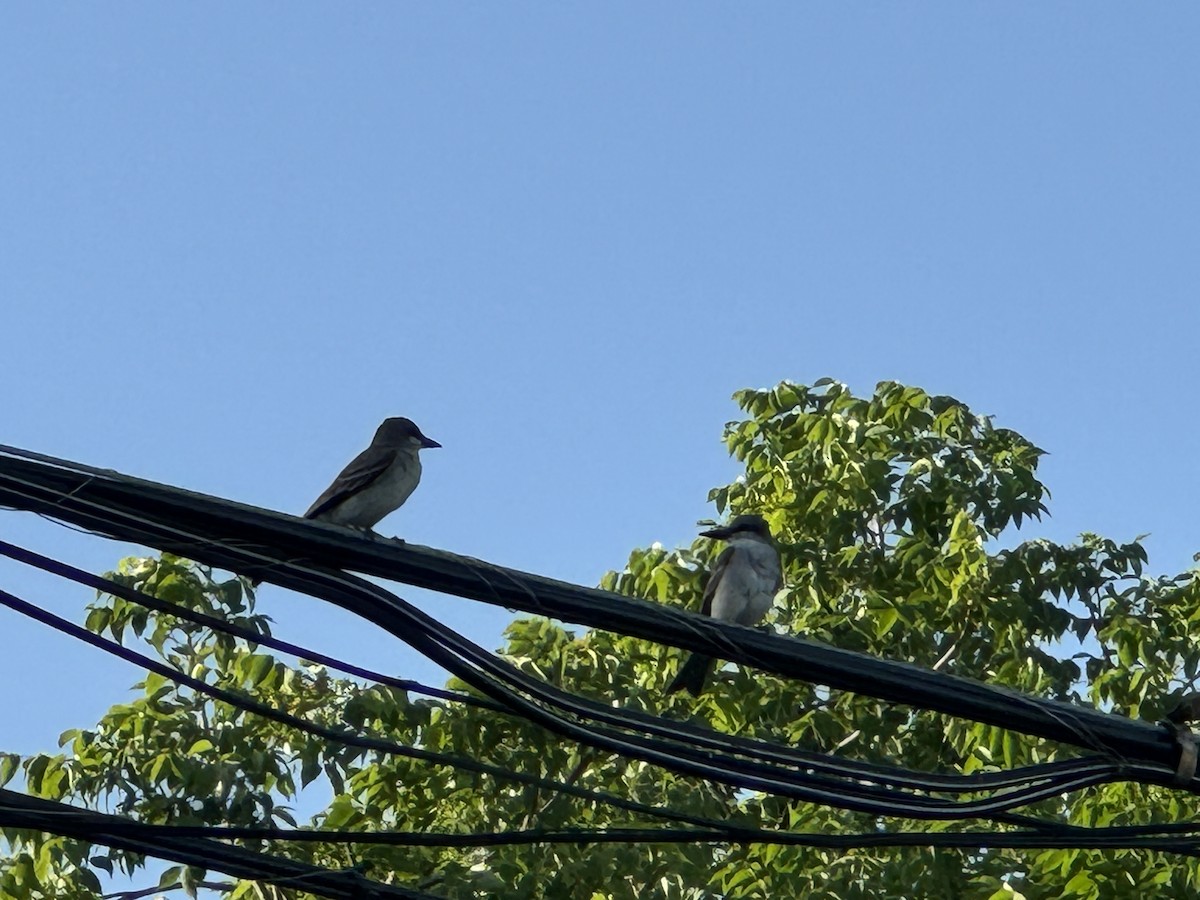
<point>812,788</point>
<point>708,772</point>
<point>1177,839</point>
<point>35,814</point>
<point>447,572</point>
<point>882,804</point>
<point>884,775</point>
<point>339,736</point>
<point>224,626</point>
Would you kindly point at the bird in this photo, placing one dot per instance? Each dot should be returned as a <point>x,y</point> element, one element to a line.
<point>378,480</point>
<point>741,588</point>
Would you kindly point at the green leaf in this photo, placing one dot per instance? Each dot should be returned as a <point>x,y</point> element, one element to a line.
<point>885,619</point>
<point>188,880</point>
<point>102,862</point>
<point>258,668</point>
<point>1081,884</point>
<point>9,763</point>
<point>170,877</point>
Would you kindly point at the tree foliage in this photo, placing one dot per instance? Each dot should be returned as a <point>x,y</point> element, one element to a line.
<point>896,516</point>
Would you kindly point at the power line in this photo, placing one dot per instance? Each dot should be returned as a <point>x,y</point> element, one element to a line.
<point>891,776</point>
<point>678,755</point>
<point>108,586</point>
<point>340,736</point>
<point>36,814</point>
<point>347,592</point>
<point>1177,839</point>
<point>883,774</point>
<point>243,538</point>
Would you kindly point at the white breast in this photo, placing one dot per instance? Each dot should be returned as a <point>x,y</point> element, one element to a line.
<point>748,584</point>
<point>387,493</point>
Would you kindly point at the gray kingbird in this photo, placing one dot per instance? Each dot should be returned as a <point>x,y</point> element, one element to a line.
<point>378,480</point>
<point>741,588</point>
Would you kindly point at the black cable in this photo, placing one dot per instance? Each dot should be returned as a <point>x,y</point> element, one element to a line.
<point>1129,837</point>
<point>108,586</point>
<point>804,787</point>
<point>765,780</point>
<point>332,734</point>
<point>885,775</point>
<point>1088,732</point>
<point>61,489</point>
<point>35,814</point>
<point>132,595</point>
<point>840,795</point>
<point>415,628</point>
<point>891,776</point>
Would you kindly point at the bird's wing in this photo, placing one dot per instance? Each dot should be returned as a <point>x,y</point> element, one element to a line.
<point>714,579</point>
<point>363,469</point>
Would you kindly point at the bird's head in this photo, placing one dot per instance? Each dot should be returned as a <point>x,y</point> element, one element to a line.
<point>401,432</point>
<point>741,525</point>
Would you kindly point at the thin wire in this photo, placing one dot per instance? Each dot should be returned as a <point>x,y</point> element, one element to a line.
<point>224,626</point>
<point>1074,725</point>
<point>1127,837</point>
<point>471,674</point>
<point>102,584</point>
<point>854,797</point>
<point>793,784</point>
<point>874,772</point>
<point>344,737</point>
<point>415,625</point>
<point>1063,719</point>
<point>35,814</point>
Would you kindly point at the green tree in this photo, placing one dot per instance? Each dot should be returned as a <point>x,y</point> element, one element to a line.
<point>895,516</point>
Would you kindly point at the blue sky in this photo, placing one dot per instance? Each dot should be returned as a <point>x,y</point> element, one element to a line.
<point>235,237</point>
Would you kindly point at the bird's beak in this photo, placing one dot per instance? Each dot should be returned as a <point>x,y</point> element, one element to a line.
<point>429,443</point>
<point>716,534</point>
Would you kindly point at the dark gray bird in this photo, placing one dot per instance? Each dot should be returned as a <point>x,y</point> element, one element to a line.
<point>378,480</point>
<point>741,588</point>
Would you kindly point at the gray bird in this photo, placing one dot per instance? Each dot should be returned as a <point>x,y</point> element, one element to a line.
<point>741,588</point>
<point>378,480</point>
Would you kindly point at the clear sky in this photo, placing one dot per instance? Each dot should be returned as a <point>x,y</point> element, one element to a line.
<point>234,237</point>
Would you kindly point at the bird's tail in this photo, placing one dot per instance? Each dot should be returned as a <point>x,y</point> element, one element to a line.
<point>692,675</point>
